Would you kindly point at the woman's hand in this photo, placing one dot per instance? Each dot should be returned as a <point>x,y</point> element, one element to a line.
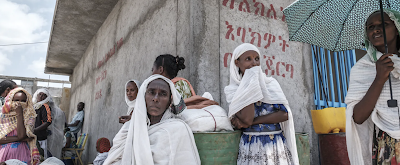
<point>124,119</point>
<point>19,110</point>
<point>384,66</point>
<point>237,123</point>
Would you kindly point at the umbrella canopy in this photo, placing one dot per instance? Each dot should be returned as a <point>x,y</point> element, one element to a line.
<point>335,25</point>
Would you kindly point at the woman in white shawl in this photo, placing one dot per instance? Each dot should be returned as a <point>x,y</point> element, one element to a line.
<point>54,142</point>
<point>372,128</point>
<point>154,135</point>
<point>131,89</point>
<point>259,107</point>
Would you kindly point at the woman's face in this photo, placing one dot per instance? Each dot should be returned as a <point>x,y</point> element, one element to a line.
<point>131,90</point>
<point>20,96</point>
<point>41,96</point>
<point>158,97</point>
<point>375,33</point>
<point>247,60</point>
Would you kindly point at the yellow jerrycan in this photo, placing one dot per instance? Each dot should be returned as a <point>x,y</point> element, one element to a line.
<point>329,120</point>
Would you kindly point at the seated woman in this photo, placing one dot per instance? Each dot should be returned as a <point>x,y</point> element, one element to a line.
<point>169,66</point>
<point>69,141</point>
<point>259,107</point>
<point>17,121</point>
<point>169,140</point>
<point>131,88</point>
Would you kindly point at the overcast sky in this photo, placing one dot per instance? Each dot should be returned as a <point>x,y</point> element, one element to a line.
<point>25,21</point>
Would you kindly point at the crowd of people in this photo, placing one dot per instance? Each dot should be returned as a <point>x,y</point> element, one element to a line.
<point>31,127</point>
<point>153,133</point>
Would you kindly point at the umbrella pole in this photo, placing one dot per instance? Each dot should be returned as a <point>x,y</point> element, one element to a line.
<point>391,102</point>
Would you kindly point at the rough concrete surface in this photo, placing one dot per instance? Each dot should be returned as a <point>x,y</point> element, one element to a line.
<point>199,31</point>
<point>68,43</point>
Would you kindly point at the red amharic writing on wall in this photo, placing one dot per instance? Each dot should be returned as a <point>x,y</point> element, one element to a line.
<point>256,38</point>
<point>260,8</point>
<point>98,95</point>
<point>107,56</point>
<point>102,76</point>
<point>99,79</point>
<point>279,68</point>
<point>110,53</point>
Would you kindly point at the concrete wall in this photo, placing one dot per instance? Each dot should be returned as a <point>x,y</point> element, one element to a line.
<point>196,30</point>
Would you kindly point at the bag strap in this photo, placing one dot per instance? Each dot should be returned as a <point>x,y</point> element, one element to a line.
<point>215,122</point>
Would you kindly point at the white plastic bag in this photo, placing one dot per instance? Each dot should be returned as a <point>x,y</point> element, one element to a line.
<point>209,119</point>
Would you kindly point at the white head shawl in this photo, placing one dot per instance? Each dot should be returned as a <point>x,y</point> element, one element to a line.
<point>141,153</point>
<point>255,86</point>
<point>56,127</point>
<point>131,104</point>
<point>37,104</point>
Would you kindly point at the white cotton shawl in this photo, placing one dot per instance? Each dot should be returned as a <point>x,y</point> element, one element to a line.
<point>100,158</point>
<point>131,104</point>
<point>359,136</point>
<point>56,127</point>
<point>166,142</point>
<point>255,86</point>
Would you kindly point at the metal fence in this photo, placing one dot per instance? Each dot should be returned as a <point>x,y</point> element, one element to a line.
<point>331,76</point>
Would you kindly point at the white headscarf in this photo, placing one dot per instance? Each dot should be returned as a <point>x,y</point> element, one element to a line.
<point>37,104</point>
<point>131,104</point>
<point>132,144</point>
<point>56,127</point>
<point>255,86</point>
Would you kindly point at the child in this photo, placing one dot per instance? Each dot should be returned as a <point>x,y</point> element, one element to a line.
<point>102,146</point>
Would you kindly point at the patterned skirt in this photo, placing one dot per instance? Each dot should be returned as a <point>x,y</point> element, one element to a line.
<point>263,149</point>
<point>15,150</point>
<point>385,149</point>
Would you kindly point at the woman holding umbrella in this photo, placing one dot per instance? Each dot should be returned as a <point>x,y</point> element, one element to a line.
<point>373,128</point>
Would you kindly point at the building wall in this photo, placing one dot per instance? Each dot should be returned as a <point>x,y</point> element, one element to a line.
<point>204,32</point>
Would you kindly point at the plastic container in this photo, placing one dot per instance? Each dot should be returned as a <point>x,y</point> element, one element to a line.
<point>303,148</point>
<point>218,147</point>
<point>329,120</point>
